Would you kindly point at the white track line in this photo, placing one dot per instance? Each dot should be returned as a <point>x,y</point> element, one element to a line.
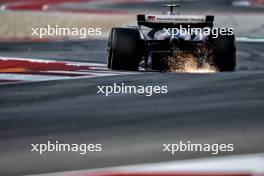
<point>247,163</point>
<point>27,77</point>
<point>249,39</point>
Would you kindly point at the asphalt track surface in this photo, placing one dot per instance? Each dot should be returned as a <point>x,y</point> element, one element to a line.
<point>202,108</point>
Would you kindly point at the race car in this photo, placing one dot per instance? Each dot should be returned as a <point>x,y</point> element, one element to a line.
<point>162,42</point>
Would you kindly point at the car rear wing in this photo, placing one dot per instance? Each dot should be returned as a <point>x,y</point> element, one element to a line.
<point>174,21</point>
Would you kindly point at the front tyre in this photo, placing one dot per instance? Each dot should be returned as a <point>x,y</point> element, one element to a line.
<point>124,49</point>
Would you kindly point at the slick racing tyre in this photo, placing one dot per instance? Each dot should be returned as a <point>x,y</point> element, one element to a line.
<point>124,49</point>
<point>224,50</point>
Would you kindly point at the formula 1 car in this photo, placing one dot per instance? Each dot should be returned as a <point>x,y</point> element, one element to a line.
<point>160,42</point>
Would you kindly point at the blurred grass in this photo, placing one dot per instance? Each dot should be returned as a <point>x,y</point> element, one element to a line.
<point>19,24</point>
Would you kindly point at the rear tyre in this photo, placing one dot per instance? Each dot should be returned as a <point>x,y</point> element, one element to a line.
<point>124,49</point>
<point>224,50</point>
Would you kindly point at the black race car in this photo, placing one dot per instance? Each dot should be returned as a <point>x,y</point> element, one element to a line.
<point>162,42</point>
